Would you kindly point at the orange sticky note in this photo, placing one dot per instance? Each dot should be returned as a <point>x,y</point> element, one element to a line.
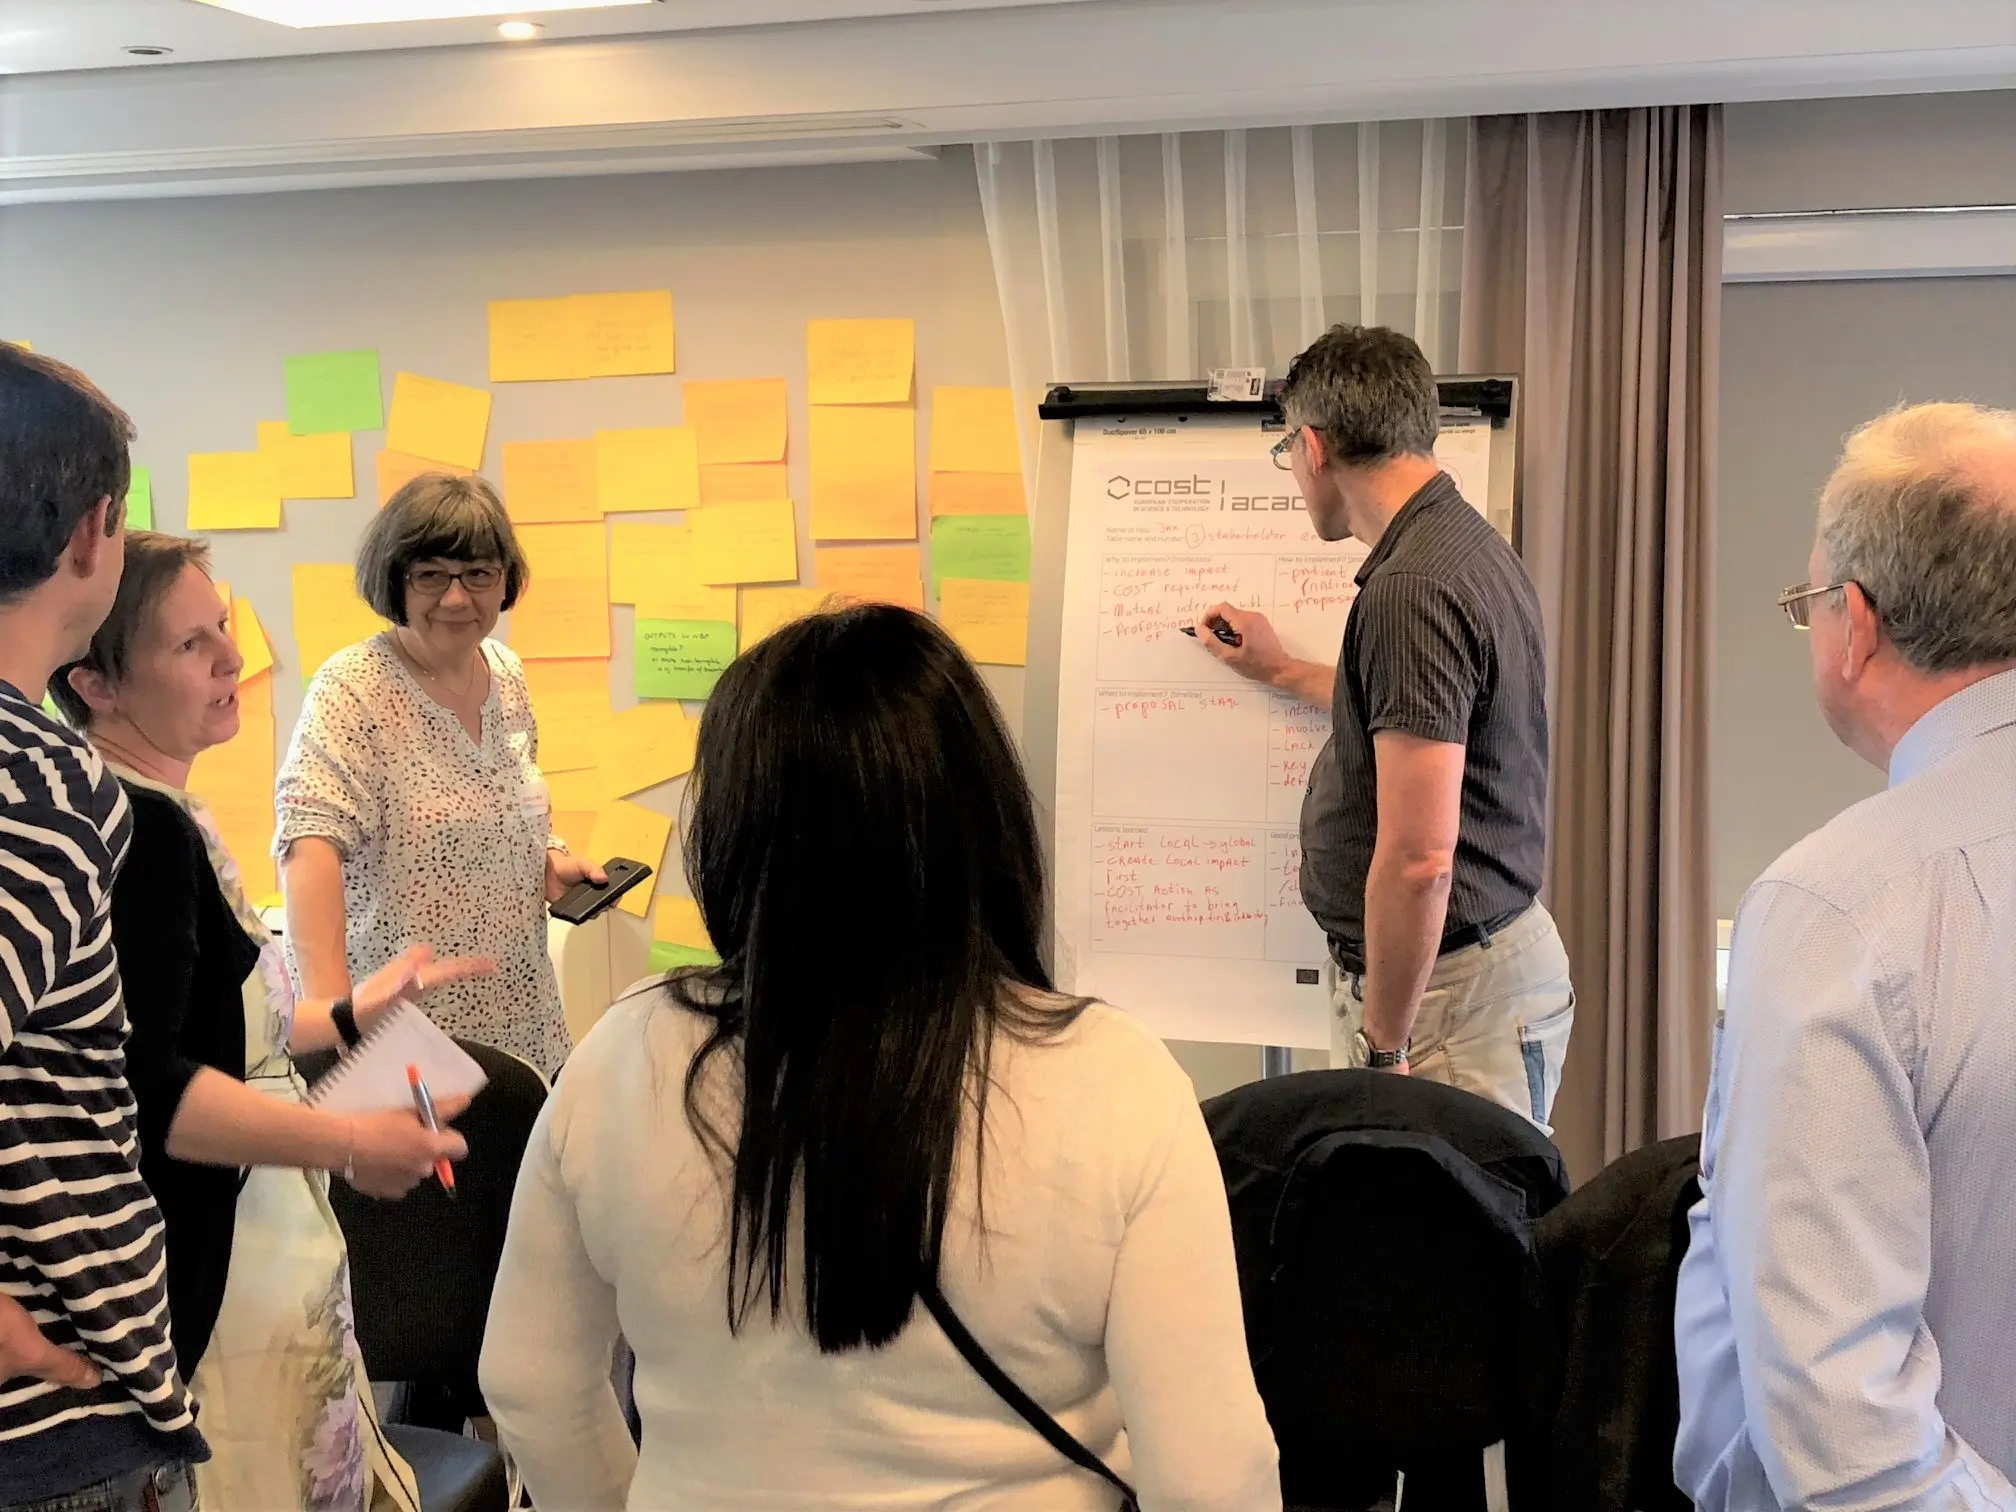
<point>534,339</point>
<point>874,574</point>
<point>565,610</point>
<point>249,636</point>
<point>978,493</point>
<point>233,491</point>
<point>397,469</point>
<point>973,431</point>
<point>629,829</point>
<point>570,701</point>
<point>328,614</point>
<point>235,782</point>
<point>745,543</point>
<point>860,361</point>
<point>864,473</point>
<point>309,467</point>
<point>649,743</point>
<point>677,921</point>
<point>989,620</point>
<point>653,567</point>
<point>651,469</point>
<point>443,422</point>
<point>551,482</point>
<point>765,610</point>
<point>744,482</point>
<point>737,419</point>
<point>581,336</point>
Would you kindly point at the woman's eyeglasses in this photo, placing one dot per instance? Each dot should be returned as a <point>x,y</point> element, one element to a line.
<point>1797,601</point>
<point>432,582</point>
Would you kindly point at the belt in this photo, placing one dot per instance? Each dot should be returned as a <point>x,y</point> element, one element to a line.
<point>1351,958</point>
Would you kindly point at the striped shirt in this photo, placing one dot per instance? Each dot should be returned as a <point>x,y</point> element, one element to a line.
<point>80,1238</point>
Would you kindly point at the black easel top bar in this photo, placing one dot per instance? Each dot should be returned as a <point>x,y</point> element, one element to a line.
<point>1490,397</point>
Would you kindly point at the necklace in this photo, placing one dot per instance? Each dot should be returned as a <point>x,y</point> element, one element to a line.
<point>436,678</point>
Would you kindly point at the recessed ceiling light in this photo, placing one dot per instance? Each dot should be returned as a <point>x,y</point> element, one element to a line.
<point>518,31</point>
<point>147,50</point>
<point>306,13</point>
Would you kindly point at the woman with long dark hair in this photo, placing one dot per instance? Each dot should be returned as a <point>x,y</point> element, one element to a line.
<point>875,1109</point>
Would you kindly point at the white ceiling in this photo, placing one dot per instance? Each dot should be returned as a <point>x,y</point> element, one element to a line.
<point>42,36</point>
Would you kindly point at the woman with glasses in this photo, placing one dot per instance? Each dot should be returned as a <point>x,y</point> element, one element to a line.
<point>411,806</point>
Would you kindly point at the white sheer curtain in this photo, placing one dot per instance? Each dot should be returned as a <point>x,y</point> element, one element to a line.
<point>1161,257</point>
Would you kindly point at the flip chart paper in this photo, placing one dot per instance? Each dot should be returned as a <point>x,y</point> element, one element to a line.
<point>652,469</point>
<point>669,957</point>
<point>565,609</point>
<point>443,422</point>
<point>989,620</point>
<point>235,782</point>
<point>682,658</point>
<point>627,829</point>
<point>649,743</point>
<point>745,543</point>
<point>315,466</point>
<point>860,361</point>
<point>652,566</point>
<point>334,391</point>
<point>570,701</point>
<point>995,547</point>
<point>765,610</point>
<point>973,431</point>
<point>249,636</point>
<point>551,482</point>
<point>878,574</point>
<point>233,491</point>
<point>328,614</point>
<point>677,921</point>
<point>140,500</point>
<point>978,494</point>
<point>737,419</point>
<point>397,469</point>
<point>581,336</point>
<point>864,474</point>
<point>744,482</point>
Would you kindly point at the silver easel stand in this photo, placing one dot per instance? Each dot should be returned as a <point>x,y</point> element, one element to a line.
<point>1276,1060</point>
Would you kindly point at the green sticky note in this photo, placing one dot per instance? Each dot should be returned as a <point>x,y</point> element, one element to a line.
<point>49,707</point>
<point>334,391</point>
<point>666,956</point>
<point>682,658</point>
<point>140,500</point>
<point>993,547</point>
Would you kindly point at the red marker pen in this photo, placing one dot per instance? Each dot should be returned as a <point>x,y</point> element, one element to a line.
<point>424,1106</point>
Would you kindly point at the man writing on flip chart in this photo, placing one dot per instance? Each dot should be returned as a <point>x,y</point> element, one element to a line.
<point>1423,830</point>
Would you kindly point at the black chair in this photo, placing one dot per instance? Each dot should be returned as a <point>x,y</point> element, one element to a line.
<point>1601,1380</point>
<point>1383,1227</point>
<point>421,1273</point>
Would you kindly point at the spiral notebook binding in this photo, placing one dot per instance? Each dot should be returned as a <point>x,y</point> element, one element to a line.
<point>347,1062</point>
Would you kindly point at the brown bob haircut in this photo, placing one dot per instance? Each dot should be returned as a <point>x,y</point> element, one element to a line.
<point>437,516</point>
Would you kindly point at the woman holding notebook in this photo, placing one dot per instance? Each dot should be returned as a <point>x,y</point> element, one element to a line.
<point>258,1285</point>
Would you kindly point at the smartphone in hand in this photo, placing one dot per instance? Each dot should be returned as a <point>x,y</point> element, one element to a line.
<point>585,900</point>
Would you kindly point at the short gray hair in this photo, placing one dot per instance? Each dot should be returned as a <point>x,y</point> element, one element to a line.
<point>1921,513</point>
<point>1368,390</point>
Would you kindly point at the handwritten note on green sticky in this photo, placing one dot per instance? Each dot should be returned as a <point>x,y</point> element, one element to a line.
<point>994,548</point>
<point>334,391</point>
<point>140,500</point>
<point>682,658</point>
<point>665,956</point>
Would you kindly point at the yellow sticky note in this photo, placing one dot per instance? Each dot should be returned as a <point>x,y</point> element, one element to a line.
<point>249,636</point>
<point>626,335</point>
<point>235,782</point>
<point>990,620</point>
<point>860,361</point>
<point>641,470</point>
<point>565,610</point>
<point>677,921</point>
<point>570,701</point>
<point>328,614</point>
<point>25,345</point>
<point>973,431</point>
<point>978,493</point>
<point>533,339</point>
<point>443,422</point>
<point>744,482</point>
<point>397,469</point>
<point>583,791</point>
<point>574,826</point>
<point>233,491</point>
<point>551,482</point>
<point>864,474</point>
<point>309,467</point>
<point>765,610</point>
<point>652,566</point>
<point>745,543</point>
<point>737,419</point>
<point>649,743</point>
<point>628,829</point>
<point>874,574</point>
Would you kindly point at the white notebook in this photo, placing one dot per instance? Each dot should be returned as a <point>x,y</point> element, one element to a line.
<point>372,1077</point>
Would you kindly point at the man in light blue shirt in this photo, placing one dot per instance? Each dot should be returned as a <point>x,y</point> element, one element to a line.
<point>1846,1319</point>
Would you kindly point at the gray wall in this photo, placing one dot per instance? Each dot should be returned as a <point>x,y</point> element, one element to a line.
<point>1937,149</point>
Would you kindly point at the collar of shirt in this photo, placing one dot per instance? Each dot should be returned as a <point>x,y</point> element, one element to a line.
<point>1974,711</point>
<point>1439,489</point>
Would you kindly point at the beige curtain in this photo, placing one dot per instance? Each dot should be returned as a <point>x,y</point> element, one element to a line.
<point>1592,266</point>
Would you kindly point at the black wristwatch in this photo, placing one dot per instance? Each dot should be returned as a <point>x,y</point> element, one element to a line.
<point>343,1014</point>
<point>1382,1060</point>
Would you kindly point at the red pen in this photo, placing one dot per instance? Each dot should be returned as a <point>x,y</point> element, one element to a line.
<point>423,1104</point>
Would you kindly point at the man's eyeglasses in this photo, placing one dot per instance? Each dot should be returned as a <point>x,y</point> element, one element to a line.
<point>432,582</point>
<point>1797,601</point>
<point>1279,452</point>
